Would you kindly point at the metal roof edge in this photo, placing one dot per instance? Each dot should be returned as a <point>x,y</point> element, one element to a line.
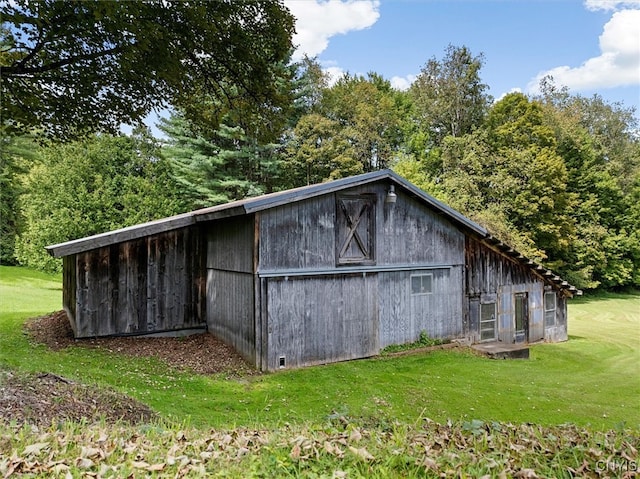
<point>123,234</point>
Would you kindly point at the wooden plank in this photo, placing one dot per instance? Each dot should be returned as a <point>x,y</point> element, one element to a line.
<point>314,321</point>
<point>231,309</point>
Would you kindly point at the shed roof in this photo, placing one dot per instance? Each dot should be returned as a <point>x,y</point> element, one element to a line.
<point>272,200</point>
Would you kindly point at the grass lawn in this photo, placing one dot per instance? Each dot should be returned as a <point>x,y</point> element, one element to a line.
<point>593,379</point>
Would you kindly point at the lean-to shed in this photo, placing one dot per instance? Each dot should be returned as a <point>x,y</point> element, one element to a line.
<point>317,274</point>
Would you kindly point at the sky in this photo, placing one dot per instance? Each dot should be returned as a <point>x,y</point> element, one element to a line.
<point>589,46</point>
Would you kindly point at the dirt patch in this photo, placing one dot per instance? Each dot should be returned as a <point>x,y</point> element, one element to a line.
<point>200,353</point>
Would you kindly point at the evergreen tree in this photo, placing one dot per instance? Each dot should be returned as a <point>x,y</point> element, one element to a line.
<point>225,165</point>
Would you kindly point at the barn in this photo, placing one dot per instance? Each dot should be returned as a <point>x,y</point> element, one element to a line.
<point>312,275</point>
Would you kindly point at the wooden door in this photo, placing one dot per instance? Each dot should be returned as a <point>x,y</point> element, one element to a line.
<point>355,218</point>
<point>521,317</point>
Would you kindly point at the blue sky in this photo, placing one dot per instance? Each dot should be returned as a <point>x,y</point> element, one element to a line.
<point>590,46</point>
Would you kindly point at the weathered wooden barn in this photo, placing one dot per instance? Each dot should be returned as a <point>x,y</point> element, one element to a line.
<point>323,273</point>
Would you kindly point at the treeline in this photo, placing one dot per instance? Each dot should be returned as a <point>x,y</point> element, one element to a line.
<point>557,175</point>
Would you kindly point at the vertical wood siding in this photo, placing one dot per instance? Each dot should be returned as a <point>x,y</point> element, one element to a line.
<point>142,286</point>
<point>69,296</point>
<point>230,283</point>
<point>404,316</point>
<point>323,319</point>
<point>231,309</point>
<point>489,272</point>
<point>299,235</point>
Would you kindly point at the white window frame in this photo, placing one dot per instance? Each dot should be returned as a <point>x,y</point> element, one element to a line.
<point>422,291</point>
<point>548,310</point>
<point>494,320</point>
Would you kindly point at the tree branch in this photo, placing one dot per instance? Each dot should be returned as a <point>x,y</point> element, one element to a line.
<point>19,69</point>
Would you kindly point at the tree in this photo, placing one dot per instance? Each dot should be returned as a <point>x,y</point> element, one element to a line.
<point>449,96</point>
<point>601,150</point>
<point>68,68</point>
<point>89,187</point>
<point>354,126</point>
<point>14,152</point>
<point>218,166</point>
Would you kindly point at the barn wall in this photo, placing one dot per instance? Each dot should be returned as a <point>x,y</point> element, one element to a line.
<point>315,320</point>
<point>230,283</point>
<point>558,332</point>
<point>150,285</point>
<point>316,309</point>
<point>403,315</point>
<point>69,286</point>
<point>492,276</point>
<point>302,235</point>
<point>299,235</point>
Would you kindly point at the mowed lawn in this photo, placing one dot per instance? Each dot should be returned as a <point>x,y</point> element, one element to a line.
<point>593,379</point>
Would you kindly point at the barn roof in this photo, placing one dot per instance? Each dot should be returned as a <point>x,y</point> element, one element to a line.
<point>272,200</point>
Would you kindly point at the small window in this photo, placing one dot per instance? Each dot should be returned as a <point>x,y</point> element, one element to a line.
<point>421,284</point>
<point>549,308</point>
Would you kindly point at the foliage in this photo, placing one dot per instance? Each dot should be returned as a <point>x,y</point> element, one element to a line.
<point>14,153</point>
<point>601,151</point>
<point>89,187</point>
<point>596,368</point>
<point>423,341</point>
<point>69,68</point>
<point>353,127</point>
<point>337,449</point>
<point>449,96</point>
<point>218,166</point>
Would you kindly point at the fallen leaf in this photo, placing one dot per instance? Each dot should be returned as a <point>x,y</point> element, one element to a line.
<point>84,463</point>
<point>429,463</point>
<point>35,449</point>
<point>526,473</point>
<point>295,452</point>
<point>91,452</point>
<point>362,453</point>
<point>140,464</point>
<point>156,467</point>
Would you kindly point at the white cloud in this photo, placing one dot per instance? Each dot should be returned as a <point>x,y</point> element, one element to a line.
<point>402,83</point>
<point>334,74</point>
<point>611,4</point>
<point>618,63</point>
<point>319,20</point>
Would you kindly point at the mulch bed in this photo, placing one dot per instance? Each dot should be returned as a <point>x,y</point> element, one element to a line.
<point>200,353</point>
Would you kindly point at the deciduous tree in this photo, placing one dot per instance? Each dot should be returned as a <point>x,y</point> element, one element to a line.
<point>69,68</point>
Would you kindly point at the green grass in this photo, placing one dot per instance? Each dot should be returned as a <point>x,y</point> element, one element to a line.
<point>593,379</point>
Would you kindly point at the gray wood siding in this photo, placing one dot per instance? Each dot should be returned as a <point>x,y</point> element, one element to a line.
<point>143,286</point>
<point>411,233</point>
<point>230,310</point>
<point>403,316</point>
<point>230,244</point>
<point>230,283</point>
<point>302,235</point>
<point>69,290</point>
<point>299,235</point>
<point>490,272</point>
<point>321,320</point>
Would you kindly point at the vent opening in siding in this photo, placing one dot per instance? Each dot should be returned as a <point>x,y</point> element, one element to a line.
<point>282,362</point>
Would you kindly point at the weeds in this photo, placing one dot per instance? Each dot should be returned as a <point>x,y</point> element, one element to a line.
<point>424,341</point>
